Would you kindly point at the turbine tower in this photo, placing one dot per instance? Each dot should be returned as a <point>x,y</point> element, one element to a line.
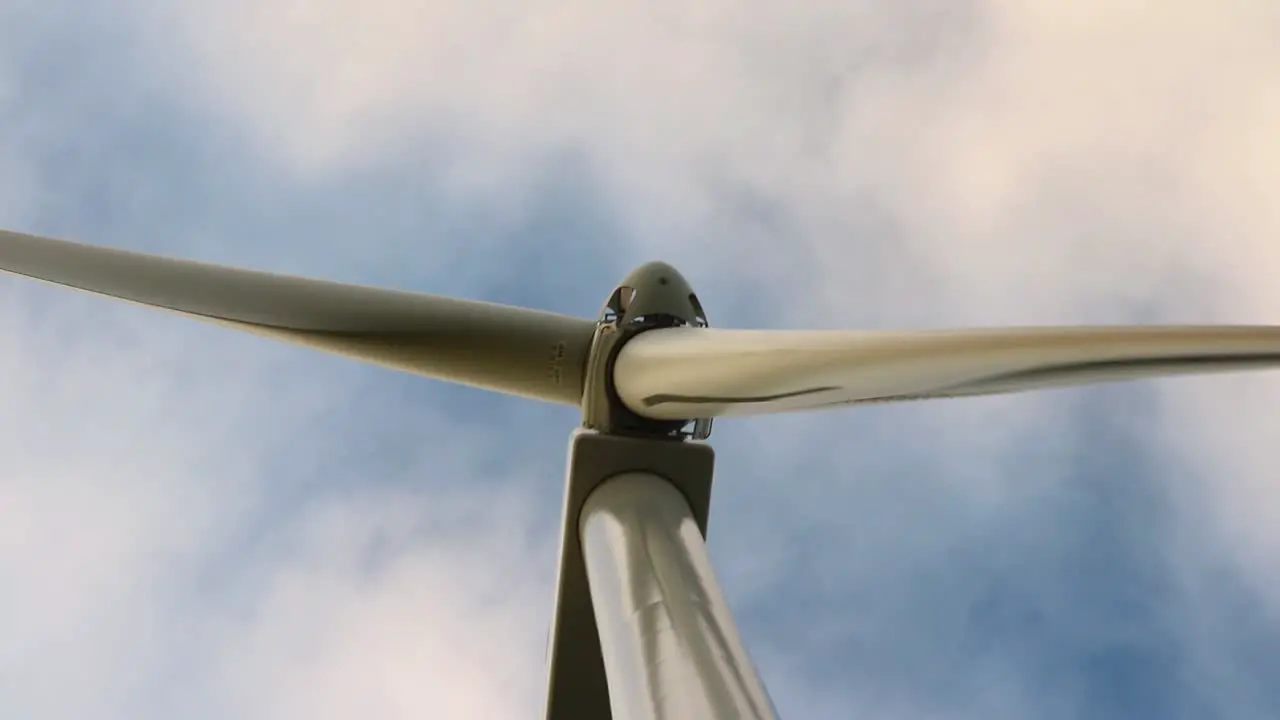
<point>641,630</point>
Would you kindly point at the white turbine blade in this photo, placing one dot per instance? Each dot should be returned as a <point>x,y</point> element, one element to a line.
<point>509,349</point>
<point>679,373</point>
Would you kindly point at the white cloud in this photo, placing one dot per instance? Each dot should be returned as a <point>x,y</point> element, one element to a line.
<point>1011,141</point>
<point>371,611</point>
<point>152,568</point>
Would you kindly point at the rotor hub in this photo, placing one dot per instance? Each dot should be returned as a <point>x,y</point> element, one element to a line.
<point>653,296</point>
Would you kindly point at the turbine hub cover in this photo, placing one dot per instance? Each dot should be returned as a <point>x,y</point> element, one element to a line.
<point>654,295</point>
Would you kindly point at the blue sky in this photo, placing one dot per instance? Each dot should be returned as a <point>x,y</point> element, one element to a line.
<point>202,525</point>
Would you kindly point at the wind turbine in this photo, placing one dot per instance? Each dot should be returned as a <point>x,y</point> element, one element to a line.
<point>641,628</point>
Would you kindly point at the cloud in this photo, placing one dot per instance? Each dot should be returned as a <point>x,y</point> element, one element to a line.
<point>246,516</point>
<point>158,558</point>
<point>1065,158</point>
<point>370,580</point>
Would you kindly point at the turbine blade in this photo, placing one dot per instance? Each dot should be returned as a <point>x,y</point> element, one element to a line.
<point>498,347</point>
<point>680,373</point>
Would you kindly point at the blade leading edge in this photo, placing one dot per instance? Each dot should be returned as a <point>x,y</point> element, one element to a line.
<point>508,349</point>
<point>680,373</point>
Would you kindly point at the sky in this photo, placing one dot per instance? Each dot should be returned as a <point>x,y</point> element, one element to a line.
<point>199,524</point>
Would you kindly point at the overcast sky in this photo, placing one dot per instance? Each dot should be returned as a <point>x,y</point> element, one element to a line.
<point>196,524</point>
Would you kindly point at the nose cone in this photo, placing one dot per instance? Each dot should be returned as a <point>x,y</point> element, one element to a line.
<point>656,289</point>
<point>657,274</point>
